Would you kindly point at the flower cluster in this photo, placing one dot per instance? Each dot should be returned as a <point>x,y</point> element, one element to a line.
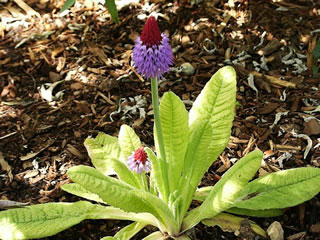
<point>138,161</point>
<point>152,53</point>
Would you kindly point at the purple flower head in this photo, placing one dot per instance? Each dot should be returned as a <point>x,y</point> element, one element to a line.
<point>138,161</point>
<point>152,53</point>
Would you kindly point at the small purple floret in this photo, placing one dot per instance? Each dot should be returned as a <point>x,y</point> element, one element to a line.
<point>137,165</point>
<point>154,61</point>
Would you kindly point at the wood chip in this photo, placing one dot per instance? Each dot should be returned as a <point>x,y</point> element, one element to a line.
<point>5,166</point>
<point>26,8</point>
<point>74,151</point>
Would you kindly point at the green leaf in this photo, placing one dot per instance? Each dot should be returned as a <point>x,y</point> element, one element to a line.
<point>125,174</point>
<point>224,193</point>
<point>42,220</point>
<point>230,223</point>
<point>127,232</point>
<point>174,121</point>
<point>110,4</point>
<point>316,51</point>
<point>210,121</point>
<point>128,141</point>
<point>67,5</point>
<point>216,104</point>
<point>255,213</point>
<point>101,149</point>
<point>202,193</point>
<point>77,190</point>
<point>110,190</point>
<point>280,189</point>
<point>102,212</point>
<point>120,194</point>
<point>161,209</point>
<point>196,161</point>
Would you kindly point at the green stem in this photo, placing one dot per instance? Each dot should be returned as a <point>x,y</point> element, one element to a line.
<point>156,113</point>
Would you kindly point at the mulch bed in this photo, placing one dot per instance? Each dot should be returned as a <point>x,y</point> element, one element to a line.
<point>64,78</point>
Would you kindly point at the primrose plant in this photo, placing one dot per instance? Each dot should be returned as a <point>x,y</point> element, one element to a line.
<point>133,182</point>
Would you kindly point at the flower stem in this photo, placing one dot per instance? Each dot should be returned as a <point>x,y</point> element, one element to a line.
<point>156,113</point>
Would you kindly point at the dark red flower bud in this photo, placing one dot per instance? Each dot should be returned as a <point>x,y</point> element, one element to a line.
<point>151,33</point>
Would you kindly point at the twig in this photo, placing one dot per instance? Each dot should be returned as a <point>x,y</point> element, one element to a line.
<point>274,80</point>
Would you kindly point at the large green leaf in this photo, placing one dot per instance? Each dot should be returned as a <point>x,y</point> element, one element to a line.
<point>76,189</point>
<point>127,232</point>
<point>101,149</point>
<point>120,194</point>
<point>224,193</point>
<point>230,223</point>
<point>216,104</point>
<point>110,4</point>
<point>280,189</point>
<point>196,162</point>
<point>42,220</point>
<point>174,121</point>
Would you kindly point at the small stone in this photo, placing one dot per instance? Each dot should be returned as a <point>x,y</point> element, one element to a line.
<point>275,231</point>
<point>187,69</point>
<point>311,127</point>
<point>54,77</point>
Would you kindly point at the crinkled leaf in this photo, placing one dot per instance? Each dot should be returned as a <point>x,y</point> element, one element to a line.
<point>174,121</point>
<point>110,4</point>
<point>224,193</point>
<point>202,193</point>
<point>280,189</point>
<point>210,121</point>
<point>124,173</point>
<point>101,149</point>
<point>118,193</point>
<point>230,223</point>
<point>42,220</point>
